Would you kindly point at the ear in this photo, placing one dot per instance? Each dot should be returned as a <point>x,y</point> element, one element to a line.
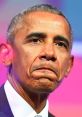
<point>70,65</point>
<point>6,54</point>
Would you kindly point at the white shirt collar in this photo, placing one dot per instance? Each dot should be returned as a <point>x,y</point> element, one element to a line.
<point>19,107</point>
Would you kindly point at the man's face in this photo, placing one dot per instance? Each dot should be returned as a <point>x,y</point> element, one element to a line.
<point>42,52</point>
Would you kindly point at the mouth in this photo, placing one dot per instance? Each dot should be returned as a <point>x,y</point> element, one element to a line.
<point>45,70</point>
<point>45,73</point>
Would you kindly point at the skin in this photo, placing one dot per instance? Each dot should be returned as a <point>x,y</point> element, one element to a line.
<point>42,57</point>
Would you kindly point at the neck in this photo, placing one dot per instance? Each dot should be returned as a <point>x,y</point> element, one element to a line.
<point>36,100</point>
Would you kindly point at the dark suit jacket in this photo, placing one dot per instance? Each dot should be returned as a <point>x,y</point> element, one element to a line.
<point>5,110</point>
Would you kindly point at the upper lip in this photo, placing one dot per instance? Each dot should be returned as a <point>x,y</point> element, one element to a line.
<point>46,68</point>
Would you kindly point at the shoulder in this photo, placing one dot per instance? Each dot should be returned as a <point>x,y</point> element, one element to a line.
<point>2,92</point>
<point>3,98</point>
<point>2,114</point>
<point>5,110</point>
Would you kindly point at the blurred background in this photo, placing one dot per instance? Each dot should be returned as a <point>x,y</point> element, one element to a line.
<point>65,101</point>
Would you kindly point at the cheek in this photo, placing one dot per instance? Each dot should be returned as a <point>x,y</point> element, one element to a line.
<point>30,57</point>
<point>63,65</point>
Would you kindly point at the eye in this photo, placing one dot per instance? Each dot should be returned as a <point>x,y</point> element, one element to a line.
<point>62,44</point>
<point>34,40</point>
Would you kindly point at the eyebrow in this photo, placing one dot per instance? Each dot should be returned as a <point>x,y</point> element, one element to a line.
<point>61,38</point>
<point>43,35</point>
<point>36,34</point>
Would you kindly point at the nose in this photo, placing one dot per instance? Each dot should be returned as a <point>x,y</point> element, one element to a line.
<point>48,52</point>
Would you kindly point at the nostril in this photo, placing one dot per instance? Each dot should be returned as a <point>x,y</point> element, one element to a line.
<point>48,58</point>
<point>43,57</point>
<point>53,58</point>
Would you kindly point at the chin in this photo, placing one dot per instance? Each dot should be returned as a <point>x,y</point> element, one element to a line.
<point>45,88</point>
<point>42,86</point>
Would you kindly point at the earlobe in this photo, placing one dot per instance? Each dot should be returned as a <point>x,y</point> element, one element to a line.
<point>70,65</point>
<point>6,54</point>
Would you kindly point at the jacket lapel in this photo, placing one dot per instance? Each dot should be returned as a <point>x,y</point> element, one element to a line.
<point>5,110</point>
<point>50,115</point>
<point>4,106</point>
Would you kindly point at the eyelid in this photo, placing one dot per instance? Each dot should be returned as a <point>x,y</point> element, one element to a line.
<point>33,40</point>
<point>62,40</point>
<point>62,44</point>
<point>65,44</point>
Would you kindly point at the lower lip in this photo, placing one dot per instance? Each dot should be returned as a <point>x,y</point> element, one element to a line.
<point>44,80</point>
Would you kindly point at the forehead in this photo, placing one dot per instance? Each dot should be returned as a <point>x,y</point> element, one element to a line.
<point>42,21</point>
<point>47,19</point>
<point>40,16</point>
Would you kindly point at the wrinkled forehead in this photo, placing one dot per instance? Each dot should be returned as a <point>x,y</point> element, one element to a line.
<point>46,20</point>
<point>40,17</point>
<point>44,17</point>
<point>48,16</point>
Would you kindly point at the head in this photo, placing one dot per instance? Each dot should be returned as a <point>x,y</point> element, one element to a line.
<point>41,40</point>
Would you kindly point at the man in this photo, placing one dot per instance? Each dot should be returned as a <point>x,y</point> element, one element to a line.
<point>38,56</point>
